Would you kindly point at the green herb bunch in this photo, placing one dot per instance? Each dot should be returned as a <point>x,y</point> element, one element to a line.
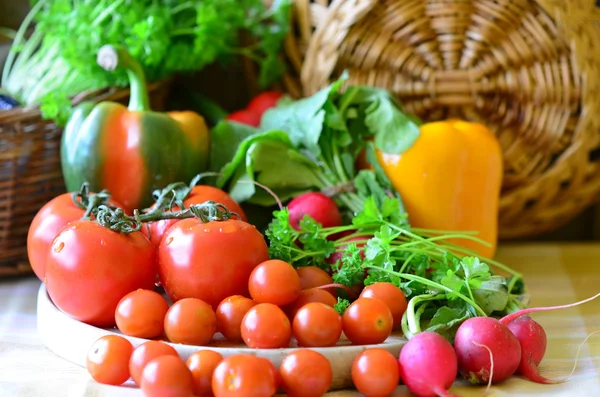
<point>444,284</point>
<point>58,59</point>
<point>313,144</point>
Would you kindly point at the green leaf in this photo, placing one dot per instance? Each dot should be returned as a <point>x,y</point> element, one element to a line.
<point>453,282</point>
<point>239,158</point>
<point>341,305</point>
<point>302,119</point>
<point>225,139</point>
<point>446,321</point>
<point>492,295</point>
<point>394,131</point>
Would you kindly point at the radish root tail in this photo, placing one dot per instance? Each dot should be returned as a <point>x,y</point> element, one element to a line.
<point>577,355</point>
<point>510,317</point>
<point>489,384</point>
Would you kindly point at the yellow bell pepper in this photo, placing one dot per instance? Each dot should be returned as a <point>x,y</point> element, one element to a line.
<point>450,179</point>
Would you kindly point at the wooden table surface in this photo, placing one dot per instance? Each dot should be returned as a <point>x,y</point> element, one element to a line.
<point>555,274</point>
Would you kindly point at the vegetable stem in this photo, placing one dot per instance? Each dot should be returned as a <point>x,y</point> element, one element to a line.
<point>433,284</point>
<point>110,57</point>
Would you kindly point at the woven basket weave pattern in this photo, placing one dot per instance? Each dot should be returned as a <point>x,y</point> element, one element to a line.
<point>527,69</point>
<point>31,175</point>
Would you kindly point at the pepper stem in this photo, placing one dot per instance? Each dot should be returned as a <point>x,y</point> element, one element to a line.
<point>110,57</point>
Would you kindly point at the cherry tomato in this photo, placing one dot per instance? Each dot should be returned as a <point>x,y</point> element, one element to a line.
<point>306,373</point>
<point>317,325</point>
<point>46,224</point>
<point>190,321</point>
<point>209,261</point>
<point>308,296</point>
<point>141,313</point>
<point>145,353</point>
<point>167,376</point>
<point>266,326</point>
<point>202,364</point>
<point>375,372</point>
<point>243,375</point>
<point>198,195</point>
<point>391,295</point>
<point>91,268</point>
<point>108,360</point>
<point>230,313</point>
<point>312,276</point>
<point>264,101</point>
<point>367,321</point>
<point>274,281</point>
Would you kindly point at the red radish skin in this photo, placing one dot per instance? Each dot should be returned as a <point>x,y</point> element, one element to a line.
<point>428,365</point>
<point>474,362</point>
<point>532,338</point>
<point>318,206</point>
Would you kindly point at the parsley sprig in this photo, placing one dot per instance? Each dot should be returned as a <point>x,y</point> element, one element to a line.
<point>444,285</point>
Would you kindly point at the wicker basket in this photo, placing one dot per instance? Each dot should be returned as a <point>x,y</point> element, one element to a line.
<point>30,170</point>
<point>527,69</point>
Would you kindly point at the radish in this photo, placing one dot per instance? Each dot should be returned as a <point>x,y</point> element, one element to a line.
<point>532,338</point>
<point>428,365</point>
<point>505,349</point>
<point>318,206</point>
<point>474,361</point>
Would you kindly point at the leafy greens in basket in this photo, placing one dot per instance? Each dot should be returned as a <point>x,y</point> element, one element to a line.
<point>58,59</point>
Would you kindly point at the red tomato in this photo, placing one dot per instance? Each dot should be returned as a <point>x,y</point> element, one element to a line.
<point>317,325</point>
<point>367,321</point>
<point>274,281</point>
<point>167,376</point>
<point>202,364</point>
<point>230,313</point>
<point>108,360</point>
<point>244,375</point>
<point>245,116</point>
<point>375,372</point>
<point>46,224</point>
<point>306,373</point>
<point>264,101</point>
<point>266,326</point>
<point>391,295</point>
<point>198,195</point>
<point>91,268</point>
<point>308,296</point>
<point>141,313</point>
<point>190,321</point>
<point>312,276</point>
<point>209,261</point>
<point>145,353</point>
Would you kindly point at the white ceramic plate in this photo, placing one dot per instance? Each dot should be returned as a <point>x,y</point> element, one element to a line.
<point>71,340</point>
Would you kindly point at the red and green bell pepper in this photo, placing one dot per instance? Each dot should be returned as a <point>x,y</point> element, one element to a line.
<point>132,150</point>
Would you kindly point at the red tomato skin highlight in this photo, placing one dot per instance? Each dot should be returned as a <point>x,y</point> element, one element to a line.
<point>44,227</point>
<point>209,261</point>
<point>91,268</point>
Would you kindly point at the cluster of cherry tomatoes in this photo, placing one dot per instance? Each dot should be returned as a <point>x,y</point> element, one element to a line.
<point>287,308</point>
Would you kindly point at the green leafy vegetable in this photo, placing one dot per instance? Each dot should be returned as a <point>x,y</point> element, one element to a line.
<point>165,36</point>
<point>443,289</point>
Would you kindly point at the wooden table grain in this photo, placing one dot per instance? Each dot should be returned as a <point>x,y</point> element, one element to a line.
<point>555,274</point>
